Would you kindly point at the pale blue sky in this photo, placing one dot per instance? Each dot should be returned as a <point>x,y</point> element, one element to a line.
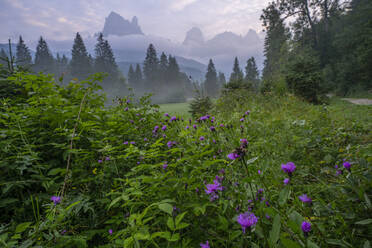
<point>61,19</point>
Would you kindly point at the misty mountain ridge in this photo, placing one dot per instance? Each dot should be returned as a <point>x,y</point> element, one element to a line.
<point>115,24</point>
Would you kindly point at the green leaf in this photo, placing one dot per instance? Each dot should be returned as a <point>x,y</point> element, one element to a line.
<point>275,231</point>
<point>22,227</point>
<point>166,207</point>
<point>72,205</point>
<point>170,223</point>
<point>310,244</point>
<point>179,218</point>
<point>289,243</point>
<point>364,222</point>
<point>283,196</point>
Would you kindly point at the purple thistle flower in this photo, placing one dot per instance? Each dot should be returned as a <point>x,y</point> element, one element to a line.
<point>187,127</point>
<point>214,141</point>
<point>247,220</point>
<point>131,121</point>
<point>126,109</point>
<point>194,126</point>
<point>244,142</point>
<point>128,101</point>
<point>233,156</point>
<point>100,161</point>
<point>222,171</point>
<point>212,128</point>
<point>242,119</point>
<point>125,143</point>
<point>170,144</point>
<point>347,165</point>
<point>165,165</point>
<point>145,139</point>
<point>164,127</point>
<point>247,112</point>
<point>201,138</point>
<point>206,245</point>
<point>107,158</point>
<point>338,172</point>
<point>267,216</point>
<point>110,231</point>
<point>259,172</point>
<point>203,118</point>
<point>286,181</point>
<point>222,125</point>
<point>166,115</point>
<point>213,188</point>
<point>55,199</point>
<point>306,227</point>
<point>133,143</point>
<point>173,118</point>
<point>289,168</point>
<point>305,199</point>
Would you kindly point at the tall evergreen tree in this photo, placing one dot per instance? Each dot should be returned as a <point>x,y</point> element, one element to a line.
<point>173,72</point>
<point>138,77</point>
<point>251,73</point>
<point>105,60</point>
<point>44,60</point>
<point>221,79</point>
<point>23,55</point>
<point>237,74</point>
<point>163,68</point>
<point>151,68</point>
<point>210,83</point>
<point>131,77</point>
<point>80,62</point>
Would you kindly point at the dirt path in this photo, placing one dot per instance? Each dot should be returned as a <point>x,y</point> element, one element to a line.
<point>358,101</point>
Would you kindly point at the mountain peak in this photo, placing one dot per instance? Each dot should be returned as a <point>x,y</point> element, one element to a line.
<point>115,24</point>
<point>194,37</point>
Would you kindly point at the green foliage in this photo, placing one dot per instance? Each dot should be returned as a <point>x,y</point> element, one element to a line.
<point>303,76</point>
<point>210,84</point>
<point>126,177</point>
<point>201,104</point>
<point>80,64</point>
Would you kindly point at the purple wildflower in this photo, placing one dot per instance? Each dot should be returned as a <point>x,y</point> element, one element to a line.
<point>194,126</point>
<point>233,156</point>
<point>306,227</point>
<point>214,141</point>
<point>242,119</point>
<point>164,127</point>
<point>55,199</point>
<point>222,171</point>
<point>170,144</point>
<point>206,245</point>
<point>126,109</point>
<point>131,121</point>
<point>110,231</point>
<point>187,127</point>
<point>244,142</point>
<point>222,125</point>
<point>125,143</point>
<point>212,128</point>
<point>338,172</point>
<point>100,161</point>
<point>145,139</point>
<point>212,189</point>
<point>347,165</point>
<point>289,168</point>
<point>247,112</point>
<point>107,158</point>
<point>259,172</point>
<point>201,138</point>
<point>173,118</point>
<point>133,143</point>
<point>247,220</point>
<point>286,181</point>
<point>166,115</point>
<point>165,165</point>
<point>305,199</point>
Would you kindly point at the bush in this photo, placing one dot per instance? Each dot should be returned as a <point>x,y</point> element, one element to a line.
<point>200,105</point>
<point>304,77</point>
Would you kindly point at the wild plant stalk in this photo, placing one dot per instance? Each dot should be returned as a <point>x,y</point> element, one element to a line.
<point>71,144</point>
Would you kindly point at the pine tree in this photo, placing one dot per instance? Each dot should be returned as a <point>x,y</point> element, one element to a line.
<point>221,79</point>
<point>210,83</point>
<point>237,74</point>
<point>138,77</point>
<point>44,60</point>
<point>163,69</point>
<point>23,54</point>
<point>80,65</point>
<point>173,71</point>
<point>131,77</point>
<point>151,69</point>
<point>105,60</point>
<point>251,73</point>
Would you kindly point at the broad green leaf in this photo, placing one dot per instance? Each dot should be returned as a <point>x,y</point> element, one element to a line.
<point>287,243</point>
<point>311,244</point>
<point>283,195</point>
<point>22,227</point>
<point>170,223</point>
<point>275,231</point>
<point>166,207</point>
<point>364,222</point>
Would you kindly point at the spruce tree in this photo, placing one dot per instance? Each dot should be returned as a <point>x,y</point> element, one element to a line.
<point>23,55</point>
<point>163,69</point>
<point>221,79</point>
<point>151,69</point>
<point>80,65</point>
<point>44,60</point>
<point>131,77</point>
<point>237,74</point>
<point>173,71</point>
<point>251,73</point>
<point>210,83</point>
<point>105,60</point>
<point>138,78</point>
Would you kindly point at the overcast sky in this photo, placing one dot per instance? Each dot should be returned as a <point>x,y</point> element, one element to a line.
<point>61,19</point>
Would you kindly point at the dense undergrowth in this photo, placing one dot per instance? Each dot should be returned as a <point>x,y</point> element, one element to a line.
<point>139,178</point>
